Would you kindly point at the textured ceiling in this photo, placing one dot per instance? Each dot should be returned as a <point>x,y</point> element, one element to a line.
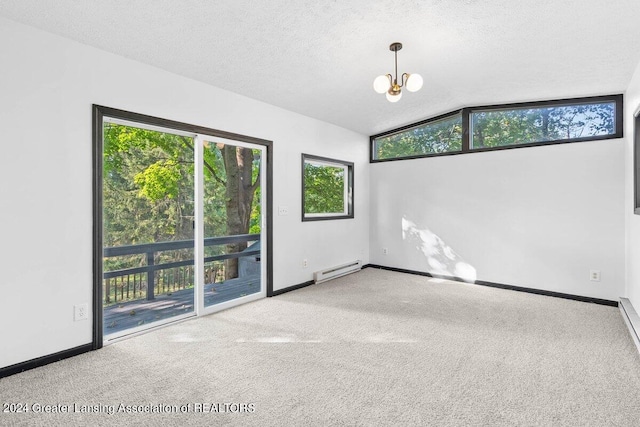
<point>319,58</point>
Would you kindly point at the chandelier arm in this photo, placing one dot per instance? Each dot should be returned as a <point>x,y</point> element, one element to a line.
<point>405,77</point>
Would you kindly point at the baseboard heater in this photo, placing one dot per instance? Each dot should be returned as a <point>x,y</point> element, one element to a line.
<point>333,272</point>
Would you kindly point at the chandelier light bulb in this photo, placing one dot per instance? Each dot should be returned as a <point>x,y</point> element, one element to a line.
<point>381,84</point>
<point>394,98</point>
<point>414,82</point>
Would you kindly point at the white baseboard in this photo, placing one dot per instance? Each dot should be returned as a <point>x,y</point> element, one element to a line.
<point>632,320</point>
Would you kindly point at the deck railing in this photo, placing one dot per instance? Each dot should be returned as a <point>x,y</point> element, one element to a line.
<point>133,283</point>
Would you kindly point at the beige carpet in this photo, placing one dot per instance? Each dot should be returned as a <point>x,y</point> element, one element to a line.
<point>375,348</point>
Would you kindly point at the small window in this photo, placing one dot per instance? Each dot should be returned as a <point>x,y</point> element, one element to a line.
<point>435,136</point>
<point>498,127</point>
<point>327,188</point>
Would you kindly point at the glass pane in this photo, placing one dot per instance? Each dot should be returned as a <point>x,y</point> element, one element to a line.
<point>232,218</point>
<point>495,128</point>
<point>148,214</point>
<point>324,188</point>
<point>327,186</point>
<point>439,136</point>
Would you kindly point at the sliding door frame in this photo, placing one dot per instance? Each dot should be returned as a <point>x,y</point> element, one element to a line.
<point>99,113</point>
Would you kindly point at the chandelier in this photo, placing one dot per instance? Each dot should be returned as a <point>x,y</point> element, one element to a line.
<point>389,84</point>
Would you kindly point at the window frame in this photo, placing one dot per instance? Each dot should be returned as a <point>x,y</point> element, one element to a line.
<point>416,125</point>
<point>348,192</point>
<point>466,126</point>
<point>99,114</point>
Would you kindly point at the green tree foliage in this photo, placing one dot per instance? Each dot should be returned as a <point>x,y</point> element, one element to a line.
<point>159,180</point>
<point>256,213</point>
<point>147,186</point>
<point>148,192</point>
<point>495,128</point>
<point>323,189</point>
<point>439,136</point>
<point>528,125</point>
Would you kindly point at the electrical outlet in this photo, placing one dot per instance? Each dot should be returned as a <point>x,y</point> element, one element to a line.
<point>80,312</point>
<point>594,275</point>
<point>283,210</point>
<point>385,251</point>
<point>305,263</point>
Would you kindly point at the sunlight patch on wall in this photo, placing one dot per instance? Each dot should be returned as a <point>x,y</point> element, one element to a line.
<point>441,258</point>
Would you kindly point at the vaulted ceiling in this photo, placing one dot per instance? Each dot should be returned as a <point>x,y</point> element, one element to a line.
<point>319,58</point>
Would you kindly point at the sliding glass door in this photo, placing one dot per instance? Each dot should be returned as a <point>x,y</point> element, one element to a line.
<point>183,225</point>
<point>148,216</point>
<point>232,223</point>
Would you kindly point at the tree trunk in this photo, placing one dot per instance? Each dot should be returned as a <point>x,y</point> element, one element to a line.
<point>238,164</point>
<point>478,138</point>
<point>545,124</point>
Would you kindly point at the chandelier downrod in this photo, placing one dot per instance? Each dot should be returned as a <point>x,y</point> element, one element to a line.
<point>395,47</point>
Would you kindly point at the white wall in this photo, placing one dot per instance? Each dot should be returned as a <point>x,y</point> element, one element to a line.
<point>47,87</point>
<point>632,101</point>
<point>538,217</point>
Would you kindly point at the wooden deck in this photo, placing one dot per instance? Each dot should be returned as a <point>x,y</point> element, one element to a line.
<point>118,317</point>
